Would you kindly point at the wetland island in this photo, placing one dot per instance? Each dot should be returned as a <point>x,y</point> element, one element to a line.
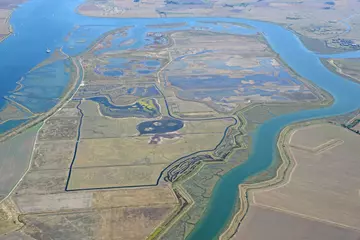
<point>182,119</point>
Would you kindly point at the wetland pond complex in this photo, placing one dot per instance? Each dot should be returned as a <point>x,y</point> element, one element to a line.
<point>45,23</point>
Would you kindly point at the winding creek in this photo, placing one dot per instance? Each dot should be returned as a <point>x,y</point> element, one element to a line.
<point>41,24</point>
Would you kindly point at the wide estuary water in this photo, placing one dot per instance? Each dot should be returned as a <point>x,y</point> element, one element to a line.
<point>41,24</point>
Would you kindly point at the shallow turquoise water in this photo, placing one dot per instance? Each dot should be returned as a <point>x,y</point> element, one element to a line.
<point>52,20</point>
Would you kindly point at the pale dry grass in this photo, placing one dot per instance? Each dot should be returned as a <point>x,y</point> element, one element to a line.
<point>37,203</point>
<point>131,223</point>
<point>206,126</point>
<point>96,125</point>
<point>189,108</point>
<point>134,197</point>
<point>43,182</point>
<point>322,186</point>
<point>138,151</point>
<point>15,158</point>
<point>123,176</point>
<point>263,223</point>
<point>53,155</point>
<point>105,127</point>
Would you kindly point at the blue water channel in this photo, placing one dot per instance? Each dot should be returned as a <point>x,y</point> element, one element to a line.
<point>45,23</point>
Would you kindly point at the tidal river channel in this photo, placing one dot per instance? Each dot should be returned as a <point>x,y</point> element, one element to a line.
<point>42,24</point>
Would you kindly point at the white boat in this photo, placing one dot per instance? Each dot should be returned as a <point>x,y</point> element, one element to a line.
<point>48,51</point>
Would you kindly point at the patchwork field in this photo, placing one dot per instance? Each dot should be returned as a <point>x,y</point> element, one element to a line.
<point>116,223</point>
<point>138,150</point>
<point>95,215</point>
<point>52,153</point>
<point>45,209</point>
<point>131,161</point>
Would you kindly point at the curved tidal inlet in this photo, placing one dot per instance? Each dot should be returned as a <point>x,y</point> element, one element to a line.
<point>45,24</point>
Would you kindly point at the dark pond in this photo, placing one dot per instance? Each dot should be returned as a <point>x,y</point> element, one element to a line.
<point>113,73</point>
<point>159,126</point>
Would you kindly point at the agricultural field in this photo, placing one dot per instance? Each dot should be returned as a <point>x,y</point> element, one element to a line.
<point>52,153</point>
<point>16,154</point>
<point>121,151</point>
<point>46,209</point>
<point>261,223</point>
<point>314,189</point>
<point>131,161</point>
<point>94,215</point>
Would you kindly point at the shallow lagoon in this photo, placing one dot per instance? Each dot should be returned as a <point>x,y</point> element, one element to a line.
<point>256,82</point>
<point>40,89</point>
<point>137,109</point>
<point>10,124</point>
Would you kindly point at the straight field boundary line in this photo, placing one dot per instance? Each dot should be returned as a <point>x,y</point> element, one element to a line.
<point>305,216</point>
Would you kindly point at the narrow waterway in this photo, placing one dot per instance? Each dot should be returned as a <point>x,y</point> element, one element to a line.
<point>41,24</point>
